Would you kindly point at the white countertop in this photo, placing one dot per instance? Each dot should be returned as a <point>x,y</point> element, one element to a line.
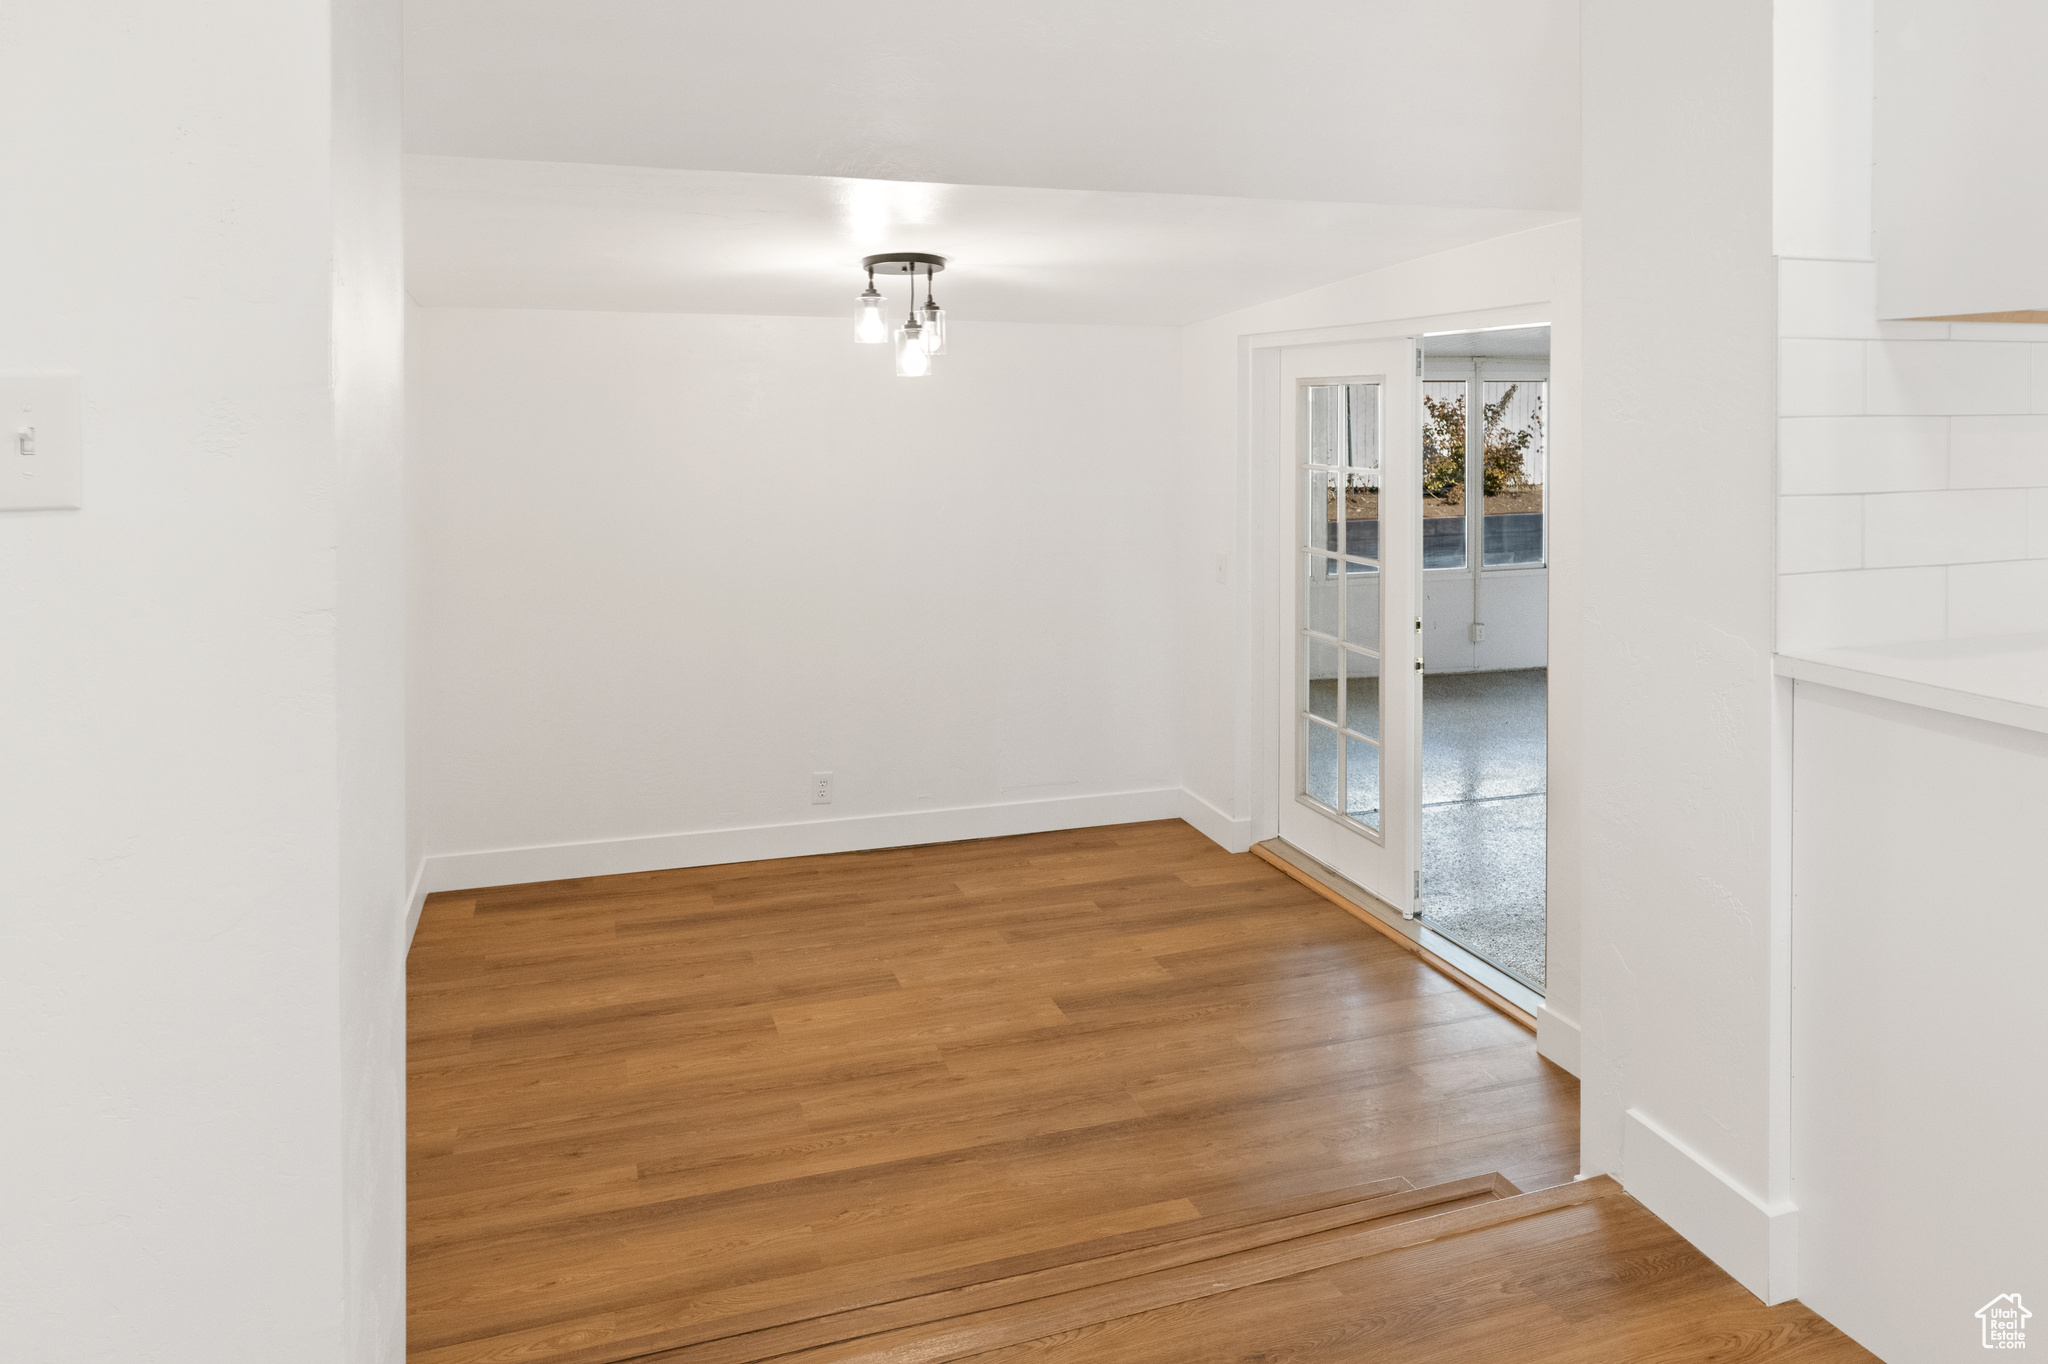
<point>2001,678</point>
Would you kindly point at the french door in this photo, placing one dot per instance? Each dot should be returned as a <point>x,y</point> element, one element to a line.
<point>1350,741</point>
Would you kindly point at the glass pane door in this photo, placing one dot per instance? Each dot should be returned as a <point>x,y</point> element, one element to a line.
<point>1338,618</point>
<point>1346,736</point>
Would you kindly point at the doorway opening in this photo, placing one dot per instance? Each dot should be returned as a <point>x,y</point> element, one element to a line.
<point>1410,744</point>
<point>1485,627</point>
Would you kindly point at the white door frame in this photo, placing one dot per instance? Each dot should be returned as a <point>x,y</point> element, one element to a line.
<point>1270,471</point>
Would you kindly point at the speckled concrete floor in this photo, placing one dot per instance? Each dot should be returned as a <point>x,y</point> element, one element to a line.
<point>1483,747</point>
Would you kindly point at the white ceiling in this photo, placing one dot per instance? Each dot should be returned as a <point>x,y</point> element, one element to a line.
<point>1461,102</point>
<point>1498,343</point>
<point>1131,161</point>
<point>614,238</point>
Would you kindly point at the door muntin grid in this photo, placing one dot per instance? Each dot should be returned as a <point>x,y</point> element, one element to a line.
<point>1338,593</point>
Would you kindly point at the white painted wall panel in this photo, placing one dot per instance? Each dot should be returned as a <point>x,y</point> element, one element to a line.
<point>1447,623</point>
<point>201,988</point>
<point>1918,1088</point>
<point>367,374</point>
<point>1516,609</point>
<point>1681,917</point>
<point>671,565</point>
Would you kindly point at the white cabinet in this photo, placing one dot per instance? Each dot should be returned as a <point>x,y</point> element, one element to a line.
<point>1961,200</point>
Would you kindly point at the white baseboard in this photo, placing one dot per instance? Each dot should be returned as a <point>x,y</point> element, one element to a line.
<point>1231,835</point>
<point>1557,1038</point>
<point>416,900</point>
<point>1758,1244</point>
<point>804,838</point>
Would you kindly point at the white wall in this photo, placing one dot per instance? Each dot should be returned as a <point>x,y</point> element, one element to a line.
<point>669,565</point>
<point>1514,604</point>
<point>367,374</point>
<point>199,985</point>
<point>1227,669</point>
<point>1918,1099</point>
<point>1685,1005</point>
<point>1913,472</point>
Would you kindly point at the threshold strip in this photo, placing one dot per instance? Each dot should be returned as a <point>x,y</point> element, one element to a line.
<point>1473,973</point>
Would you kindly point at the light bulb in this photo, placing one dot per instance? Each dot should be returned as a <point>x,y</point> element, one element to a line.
<point>934,328</point>
<point>869,326</point>
<point>912,362</point>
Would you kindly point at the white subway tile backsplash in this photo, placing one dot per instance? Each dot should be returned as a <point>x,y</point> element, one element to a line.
<point>1956,527</point>
<point>1863,606</point>
<point>1997,599</point>
<point>1912,468</point>
<point>1947,378</point>
<point>1827,298</point>
<point>1836,298</point>
<point>1998,452</point>
<point>1820,378</point>
<point>1862,454</point>
<point>1819,534</point>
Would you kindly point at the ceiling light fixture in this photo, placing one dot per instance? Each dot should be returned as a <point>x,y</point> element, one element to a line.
<point>923,333</point>
<point>934,320</point>
<point>869,326</point>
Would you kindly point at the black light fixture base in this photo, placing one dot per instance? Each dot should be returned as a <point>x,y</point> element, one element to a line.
<point>904,263</point>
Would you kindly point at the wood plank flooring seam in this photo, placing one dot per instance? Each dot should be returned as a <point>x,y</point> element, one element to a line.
<point>998,1328</point>
<point>1092,1269</point>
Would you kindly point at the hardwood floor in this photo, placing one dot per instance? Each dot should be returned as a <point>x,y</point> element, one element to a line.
<point>644,1108</point>
<point>1580,1272</point>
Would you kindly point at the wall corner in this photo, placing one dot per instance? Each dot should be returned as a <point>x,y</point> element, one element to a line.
<point>1557,1038</point>
<point>1757,1243</point>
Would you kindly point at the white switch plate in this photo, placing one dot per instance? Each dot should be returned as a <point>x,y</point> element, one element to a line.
<point>53,478</point>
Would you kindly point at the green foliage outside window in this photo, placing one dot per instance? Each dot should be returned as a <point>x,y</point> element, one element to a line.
<point>1443,447</point>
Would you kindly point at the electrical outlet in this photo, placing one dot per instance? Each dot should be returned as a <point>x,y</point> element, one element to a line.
<point>1478,631</point>
<point>821,788</point>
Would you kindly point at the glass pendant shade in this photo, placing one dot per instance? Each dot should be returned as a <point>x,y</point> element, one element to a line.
<point>869,326</point>
<point>912,360</point>
<point>934,329</point>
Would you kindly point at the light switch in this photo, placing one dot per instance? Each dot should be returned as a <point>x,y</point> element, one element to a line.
<point>42,462</point>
